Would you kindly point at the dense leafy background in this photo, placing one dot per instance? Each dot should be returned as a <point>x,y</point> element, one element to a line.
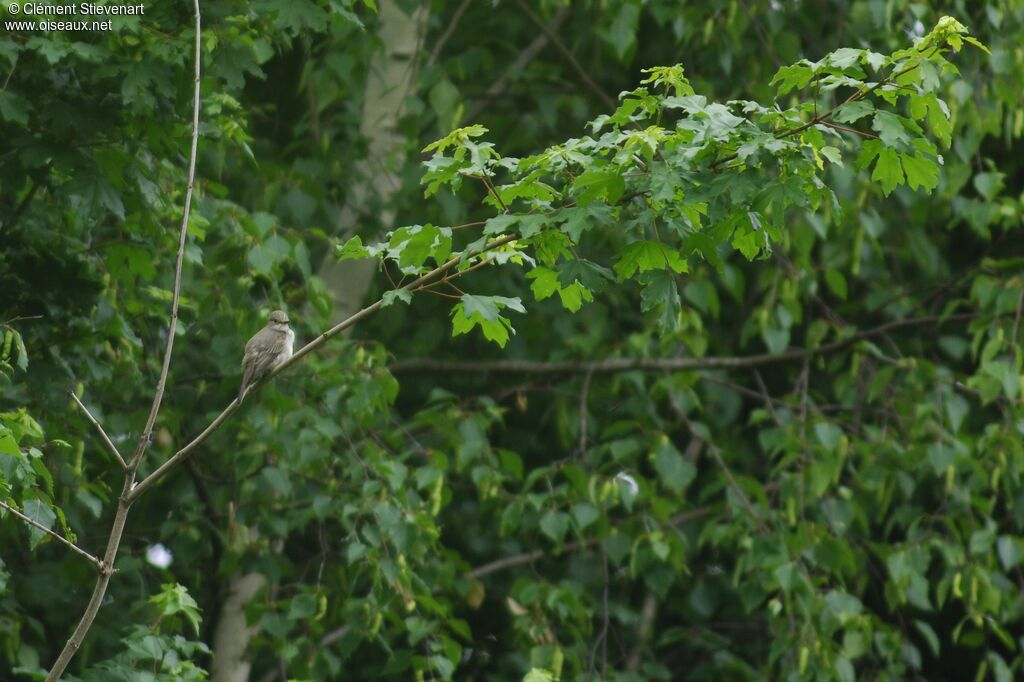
<point>859,514</point>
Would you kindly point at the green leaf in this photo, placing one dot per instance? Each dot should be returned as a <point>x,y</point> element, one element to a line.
<point>500,224</point>
<point>888,171</point>
<point>929,635</point>
<point>554,524</point>
<point>854,111</point>
<point>1010,550</point>
<point>13,108</point>
<point>702,294</point>
<point>389,297</point>
<point>938,121</point>
<point>921,171</point>
<point>789,77</point>
<point>173,600</point>
<point>584,514</point>
<point>836,283</point>
<point>483,311</point>
<point>622,33</point>
<point>416,244</point>
<point>660,288</point>
<point>302,606</point>
<point>648,255</point>
<point>989,184</point>
<point>675,472</point>
<point>599,185</point>
<point>265,256</point>
<point>41,513</point>
<point>828,435</point>
<point>891,128</point>
<point>545,282</point>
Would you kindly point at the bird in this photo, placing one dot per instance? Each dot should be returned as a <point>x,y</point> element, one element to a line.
<point>266,350</point>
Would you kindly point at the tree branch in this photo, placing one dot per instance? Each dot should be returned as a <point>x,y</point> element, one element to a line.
<point>435,54</point>
<point>628,364</point>
<point>233,406</point>
<point>60,538</point>
<point>161,384</point>
<point>103,434</point>
<point>124,501</point>
<point>524,58</point>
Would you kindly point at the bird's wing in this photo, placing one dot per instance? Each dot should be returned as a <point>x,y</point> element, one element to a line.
<point>270,347</point>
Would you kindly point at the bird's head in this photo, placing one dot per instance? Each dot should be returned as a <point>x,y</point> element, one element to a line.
<point>278,318</point>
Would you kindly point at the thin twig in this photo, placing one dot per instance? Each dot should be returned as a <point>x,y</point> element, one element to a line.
<point>736,487</point>
<point>767,399</point>
<point>99,429</point>
<point>584,395</point>
<point>718,460</point>
<point>1016,320</point>
<point>67,543</point>
<point>602,637</point>
<point>524,558</point>
<point>862,133</point>
<point>20,318</point>
<point>493,192</point>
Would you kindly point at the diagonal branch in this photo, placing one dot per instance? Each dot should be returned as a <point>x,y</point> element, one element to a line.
<point>628,364</point>
<point>439,272</point>
<point>524,58</point>
<point>580,71</point>
<point>453,23</point>
<point>161,384</point>
<point>103,434</point>
<point>60,538</point>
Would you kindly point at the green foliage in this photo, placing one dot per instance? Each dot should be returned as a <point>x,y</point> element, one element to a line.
<point>714,178</point>
<point>662,485</point>
<point>163,656</point>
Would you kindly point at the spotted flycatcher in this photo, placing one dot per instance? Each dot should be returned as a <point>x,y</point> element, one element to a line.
<point>265,351</point>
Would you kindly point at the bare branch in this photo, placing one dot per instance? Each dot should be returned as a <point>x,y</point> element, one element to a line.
<point>103,434</point>
<point>517,560</point>
<point>524,58</point>
<point>161,384</point>
<point>60,538</point>
<point>628,364</point>
<point>448,32</point>
<point>124,502</point>
<point>580,71</point>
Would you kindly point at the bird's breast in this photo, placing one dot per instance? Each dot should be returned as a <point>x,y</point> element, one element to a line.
<point>289,345</point>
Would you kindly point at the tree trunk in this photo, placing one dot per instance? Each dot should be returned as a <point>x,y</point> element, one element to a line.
<point>232,635</point>
<point>392,76</point>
